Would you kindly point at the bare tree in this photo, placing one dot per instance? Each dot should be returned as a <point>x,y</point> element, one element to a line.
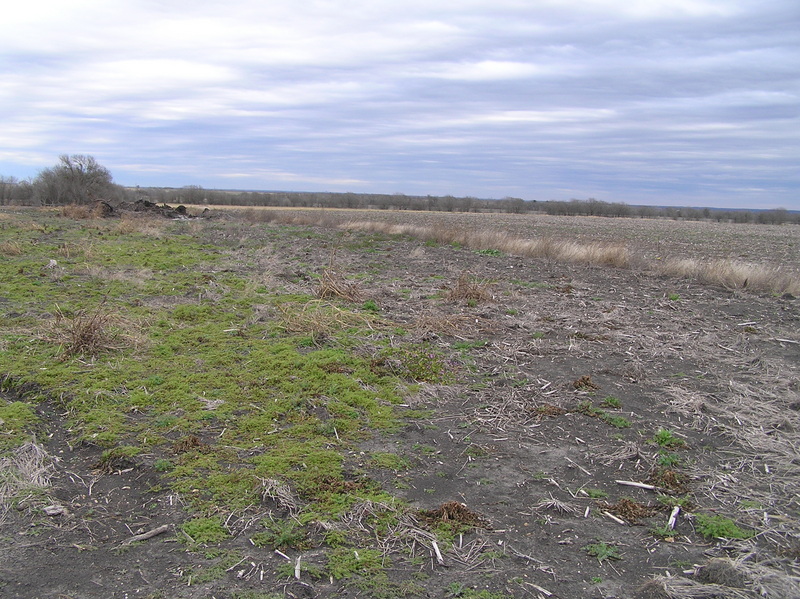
<point>76,179</point>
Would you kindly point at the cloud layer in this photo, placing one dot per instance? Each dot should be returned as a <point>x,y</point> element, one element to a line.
<point>642,101</point>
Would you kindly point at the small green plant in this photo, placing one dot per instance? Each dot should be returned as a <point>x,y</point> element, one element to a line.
<point>370,306</point>
<point>602,551</point>
<point>616,421</point>
<point>666,438</point>
<point>596,493</point>
<point>662,532</point>
<point>672,501</point>
<point>596,579</point>
<point>489,252</point>
<point>612,402</point>
<point>716,526</point>
<point>457,590</point>
<point>163,465</point>
<point>673,297</point>
<point>668,459</point>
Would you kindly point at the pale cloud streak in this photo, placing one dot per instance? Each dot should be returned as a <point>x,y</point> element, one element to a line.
<point>644,101</point>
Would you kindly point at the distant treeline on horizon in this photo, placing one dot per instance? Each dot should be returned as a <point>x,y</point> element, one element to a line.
<point>21,193</point>
<point>195,195</point>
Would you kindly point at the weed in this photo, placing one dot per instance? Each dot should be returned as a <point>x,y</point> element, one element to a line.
<point>162,465</point>
<point>668,459</point>
<point>596,493</point>
<point>666,438</point>
<point>673,297</point>
<point>489,252</point>
<point>616,421</point>
<point>663,532</point>
<point>612,402</point>
<point>602,551</point>
<point>719,527</point>
<point>457,590</point>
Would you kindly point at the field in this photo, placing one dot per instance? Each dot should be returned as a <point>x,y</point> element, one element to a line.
<point>271,404</point>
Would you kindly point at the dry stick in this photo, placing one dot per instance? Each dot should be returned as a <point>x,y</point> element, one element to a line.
<point>673,517</point>
<point>630,483</point>
<point>439,557</point>
<point>146,535</point>
<point>614,518</point>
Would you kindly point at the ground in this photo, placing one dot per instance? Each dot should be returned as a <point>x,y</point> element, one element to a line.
<point>564,382</point>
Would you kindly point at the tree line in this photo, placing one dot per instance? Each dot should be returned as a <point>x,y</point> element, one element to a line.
<point>80,179</point>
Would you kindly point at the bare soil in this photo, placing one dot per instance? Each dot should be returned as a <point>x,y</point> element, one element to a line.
<point>524,440</point>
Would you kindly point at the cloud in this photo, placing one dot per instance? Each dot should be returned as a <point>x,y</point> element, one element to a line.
<point>681,101</point>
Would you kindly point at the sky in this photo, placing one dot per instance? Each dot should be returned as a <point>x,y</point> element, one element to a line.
<point>666,102</point>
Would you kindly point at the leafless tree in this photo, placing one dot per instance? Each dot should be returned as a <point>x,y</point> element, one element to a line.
<point>76,179</point>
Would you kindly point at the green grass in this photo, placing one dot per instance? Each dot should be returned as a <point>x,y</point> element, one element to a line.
<point>716,526</point>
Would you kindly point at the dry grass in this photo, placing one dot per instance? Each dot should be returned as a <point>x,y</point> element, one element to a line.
<point>86,211</point>
<point>24,476</point>
<point>143,225</point>
<point>725,579</point>
<point>320,318</point>
<point>333,284</point>
<point>733,274</point>
<point>11,248</point>
<point>91,332</point>
<point>468,288</point>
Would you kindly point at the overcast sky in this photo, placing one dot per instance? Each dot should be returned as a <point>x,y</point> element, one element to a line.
<point>688,102</point>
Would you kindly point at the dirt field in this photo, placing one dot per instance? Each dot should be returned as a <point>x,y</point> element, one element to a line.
<point>582,408</point>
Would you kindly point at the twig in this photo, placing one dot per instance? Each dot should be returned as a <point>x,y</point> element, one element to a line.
<point>630,483</point>
<point>439,557</point>
<point>673,517</point>
<point>614,518</point>
<point>146,535</point>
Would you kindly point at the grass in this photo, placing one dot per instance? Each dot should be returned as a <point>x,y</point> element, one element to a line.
<point>719,527</point>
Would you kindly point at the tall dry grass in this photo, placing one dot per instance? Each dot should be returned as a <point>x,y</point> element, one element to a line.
<point>733,274</point>
<point>560,250</point>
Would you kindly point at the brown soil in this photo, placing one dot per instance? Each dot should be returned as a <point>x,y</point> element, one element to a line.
<point>511,456</point>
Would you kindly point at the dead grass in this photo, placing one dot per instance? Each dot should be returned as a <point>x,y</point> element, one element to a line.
<point>726,579</point>
<point>467,287</point>
<point>24,476</point>
<point>11,248</point>
<point>91,332</point>
<point>598,253</point>
<point>333,284</point>
<point>733,274</point>
<point>320,318</point>
<point>143,225</point>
